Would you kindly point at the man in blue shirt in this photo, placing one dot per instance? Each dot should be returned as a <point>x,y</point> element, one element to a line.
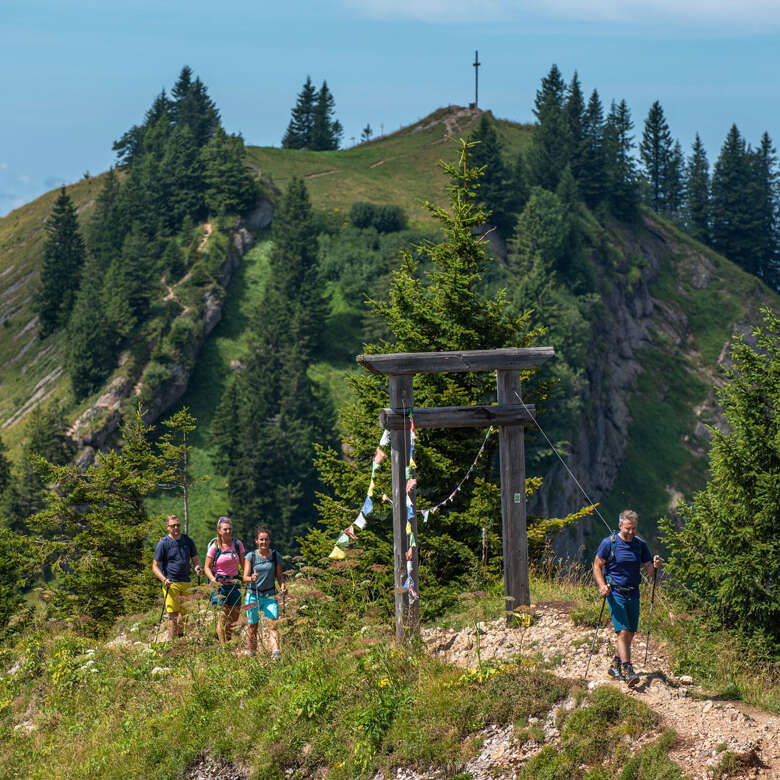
<point>617,571</point>
<point>173,556</point>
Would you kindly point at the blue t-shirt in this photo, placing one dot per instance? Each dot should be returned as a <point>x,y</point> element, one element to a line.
<point>173,556</point>
<point>625,569</point>
<point>266,570</point>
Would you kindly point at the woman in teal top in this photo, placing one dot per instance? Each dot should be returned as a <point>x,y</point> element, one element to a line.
<point>262,567</point>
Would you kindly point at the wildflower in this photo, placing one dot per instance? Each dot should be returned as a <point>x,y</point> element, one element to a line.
<point>384,682</point>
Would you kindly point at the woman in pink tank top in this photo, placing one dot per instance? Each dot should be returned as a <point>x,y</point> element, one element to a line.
<point>224,561</point>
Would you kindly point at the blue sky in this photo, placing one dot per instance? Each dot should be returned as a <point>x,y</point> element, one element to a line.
<point>77,73</point>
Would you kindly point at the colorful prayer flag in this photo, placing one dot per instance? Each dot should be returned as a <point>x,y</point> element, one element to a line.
<point>337,553</point>
<point>412,541</point>
<point>409,566</point>
<point>408,528</point>
<point>408,472</point>
<point>387,499</point>
<point>412,464</point>
<point>370,491</point>
<point>350,532</point>
<point>360,521</point>
<point>343,540</point>
<point>379,456</point>
<point>385,440</point>
<point>409,512</point>
<point>409,553</point>
<point>368,506</point>
<point>425,514</point>
<point>411,484</point>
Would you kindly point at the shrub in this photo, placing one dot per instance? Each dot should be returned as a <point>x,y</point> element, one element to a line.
<point>385,219</point>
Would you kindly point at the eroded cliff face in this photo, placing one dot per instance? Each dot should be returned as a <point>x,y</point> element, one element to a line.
<point>634,324</point>
<point>98,427</point>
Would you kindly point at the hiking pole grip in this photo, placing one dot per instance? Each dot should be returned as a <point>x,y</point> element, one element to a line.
<point>593,643</point>
<point>650,616</point>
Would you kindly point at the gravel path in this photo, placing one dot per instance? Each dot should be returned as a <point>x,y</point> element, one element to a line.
<point>704,726</point>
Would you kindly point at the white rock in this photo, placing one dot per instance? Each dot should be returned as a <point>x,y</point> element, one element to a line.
<point>686,679</point>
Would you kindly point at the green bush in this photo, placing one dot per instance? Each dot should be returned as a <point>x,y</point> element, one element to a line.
<point>384,219</point>
<point>182,333</point>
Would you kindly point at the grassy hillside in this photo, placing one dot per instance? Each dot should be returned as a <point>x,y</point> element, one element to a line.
<point>401,168</point>
<point>31,370</point>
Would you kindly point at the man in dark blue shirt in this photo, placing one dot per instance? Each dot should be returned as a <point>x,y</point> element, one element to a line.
<point>173,556</point>
<point>617,571</point>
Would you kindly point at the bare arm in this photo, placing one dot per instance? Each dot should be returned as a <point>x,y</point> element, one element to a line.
<point>207,569</point>
<point>247,569</point>
<point>158,573</point>
<point>598,576</point>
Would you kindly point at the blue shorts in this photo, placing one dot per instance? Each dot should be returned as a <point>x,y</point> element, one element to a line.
<point>267,604</point>
<point>624,611</point>
<point>227,595</point>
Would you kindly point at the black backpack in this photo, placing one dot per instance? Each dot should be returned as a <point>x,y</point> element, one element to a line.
<point>218,551</point>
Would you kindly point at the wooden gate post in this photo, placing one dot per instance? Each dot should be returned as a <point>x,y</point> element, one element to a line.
<point>401,400</point>
<point>517,591</point>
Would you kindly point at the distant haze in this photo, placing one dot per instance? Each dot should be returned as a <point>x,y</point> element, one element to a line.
<point>78,73</point>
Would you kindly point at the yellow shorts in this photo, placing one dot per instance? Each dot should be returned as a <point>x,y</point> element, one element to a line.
<point>173,601</point>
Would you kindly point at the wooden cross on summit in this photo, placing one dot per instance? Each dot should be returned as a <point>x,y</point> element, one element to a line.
<point>509,415</point>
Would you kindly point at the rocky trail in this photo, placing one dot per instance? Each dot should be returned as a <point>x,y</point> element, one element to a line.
<point>705,727</point>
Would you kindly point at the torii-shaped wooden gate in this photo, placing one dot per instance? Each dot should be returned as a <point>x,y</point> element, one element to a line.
<point>510,415</point>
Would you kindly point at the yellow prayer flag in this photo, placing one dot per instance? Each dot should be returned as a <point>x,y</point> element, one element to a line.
<point>408,528</point>
<point>337,553</point>
<point>370,492</point>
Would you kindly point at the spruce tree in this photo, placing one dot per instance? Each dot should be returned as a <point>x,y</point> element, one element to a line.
<point>63,257</point>
<point>182,179</point>
<point>495,191</point>
<point>727,551</point>
<point>326,131</point>
<point>5,467</point>
<point>91,343</point>
<point>574,115</point>
<point>697,191</point>
<point>441,308</point>
<point>230,187</point>
<point>127,291</point>
<point>270,415</point>
<point>96,527</point>
<point>194,109</point>
<point>622,183</point>
<point>106,230</point>
<point>674,182</point>
<point>548,152</point>
<point>734,201</point>
<point>765,163</point>
<point>299,131</point>
<point>655,149</point>
<point>592,177</point>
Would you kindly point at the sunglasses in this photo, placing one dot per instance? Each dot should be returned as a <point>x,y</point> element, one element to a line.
<point>175,525</point>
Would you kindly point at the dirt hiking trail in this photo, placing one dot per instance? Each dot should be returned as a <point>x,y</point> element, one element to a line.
<point>703,725</point>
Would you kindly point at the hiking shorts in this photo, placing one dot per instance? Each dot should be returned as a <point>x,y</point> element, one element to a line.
<point>268,605</point>
<point>624,612</point>
<point>173,601</point>
<point>227,595</point>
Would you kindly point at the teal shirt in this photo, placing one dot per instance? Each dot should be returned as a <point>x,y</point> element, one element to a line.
<point>266,570</point>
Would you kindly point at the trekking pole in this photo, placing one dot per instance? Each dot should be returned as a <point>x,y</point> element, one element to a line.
<point>165,599</point>
<point>593,643</point>
<point>650,618</point>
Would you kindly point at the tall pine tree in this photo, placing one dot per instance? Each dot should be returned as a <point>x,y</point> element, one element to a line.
<point>548,152</point>
<point>495,193</point>
<point>63,257</point>
<point>592,178</point>
<point>326,130</point>
<point>697,191</point>
<point>655,148</point>
<point>622,182</point>
<point>299,131</point>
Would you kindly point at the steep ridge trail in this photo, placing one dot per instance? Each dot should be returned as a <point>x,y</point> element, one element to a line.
<point>704,726</point>
<point>207,230</point>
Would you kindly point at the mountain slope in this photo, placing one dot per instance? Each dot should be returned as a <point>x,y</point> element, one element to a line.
<point>668,308</point>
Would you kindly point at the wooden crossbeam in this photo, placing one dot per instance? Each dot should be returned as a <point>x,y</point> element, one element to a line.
<point>459,417</point>
<point>404,363</point>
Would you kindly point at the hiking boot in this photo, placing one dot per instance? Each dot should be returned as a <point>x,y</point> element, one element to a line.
<point>629,675</point>
<point>616,670</point>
